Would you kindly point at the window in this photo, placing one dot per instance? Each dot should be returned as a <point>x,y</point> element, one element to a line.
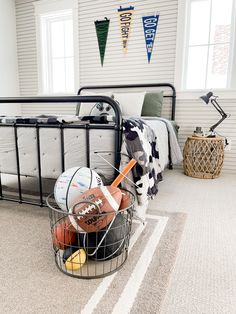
<point>209,47</point>
<point>56,51</point>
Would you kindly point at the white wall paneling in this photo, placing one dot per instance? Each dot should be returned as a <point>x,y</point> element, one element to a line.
<point>26,48</point>
<point>8,57</point>
<point>132,67</point>
<point>120,68</point>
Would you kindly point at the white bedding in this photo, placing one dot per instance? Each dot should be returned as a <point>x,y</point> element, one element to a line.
<point>161,133</point>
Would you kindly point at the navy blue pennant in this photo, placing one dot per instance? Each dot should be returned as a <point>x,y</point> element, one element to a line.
<point>150,27</point>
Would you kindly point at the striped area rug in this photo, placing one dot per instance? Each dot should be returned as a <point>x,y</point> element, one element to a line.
<point>31,282</point>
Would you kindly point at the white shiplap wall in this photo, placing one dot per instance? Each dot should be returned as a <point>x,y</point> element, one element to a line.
<point>132,67</point>
<point>8,57</point>
<point>26,48</point>
<point>119,68</point>
<point>27,62</point>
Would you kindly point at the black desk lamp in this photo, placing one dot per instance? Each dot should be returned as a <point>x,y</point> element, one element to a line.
<point>210,97</point>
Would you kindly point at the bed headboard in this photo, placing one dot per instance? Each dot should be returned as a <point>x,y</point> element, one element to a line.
<point>169,91</point>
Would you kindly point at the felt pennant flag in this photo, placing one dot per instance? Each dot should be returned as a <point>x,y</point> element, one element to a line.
<point>102,28</point>
<point>125,19</point>
<point>150,26</point>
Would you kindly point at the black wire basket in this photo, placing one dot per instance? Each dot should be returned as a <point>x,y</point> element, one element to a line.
<point>84,254</point>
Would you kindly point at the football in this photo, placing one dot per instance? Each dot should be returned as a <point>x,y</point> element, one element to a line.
<point>96,207</point>
<point>126,200</point>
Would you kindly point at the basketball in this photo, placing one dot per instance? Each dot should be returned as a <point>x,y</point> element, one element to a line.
<point>63,236</point>
<point>109,242</point>
<point>76,260</point>
<point>72,183</point>
<point>96,207</point>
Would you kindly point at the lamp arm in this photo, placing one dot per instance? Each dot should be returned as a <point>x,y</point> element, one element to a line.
<point>224,116</point>
<point>218,107</point>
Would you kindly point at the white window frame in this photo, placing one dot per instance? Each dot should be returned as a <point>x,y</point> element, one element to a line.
<point>48,7</point>
<point>181,58</point>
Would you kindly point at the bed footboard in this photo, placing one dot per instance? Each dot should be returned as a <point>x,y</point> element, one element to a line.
<point>47,150</point>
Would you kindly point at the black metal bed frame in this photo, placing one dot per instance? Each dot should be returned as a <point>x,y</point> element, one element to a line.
<point>172,96</point>
<point>116,126</point>
<point>170,86</point>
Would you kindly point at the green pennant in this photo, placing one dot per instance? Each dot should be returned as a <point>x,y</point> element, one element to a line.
<point>102,28</point>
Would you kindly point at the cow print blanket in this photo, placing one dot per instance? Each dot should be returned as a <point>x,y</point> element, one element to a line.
<point>140,144</point>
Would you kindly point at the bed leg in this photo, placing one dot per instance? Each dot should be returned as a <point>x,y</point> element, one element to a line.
<point>169,156</point>
<point>39,167</point>
<point>0,186</point>
<point>18,163</point>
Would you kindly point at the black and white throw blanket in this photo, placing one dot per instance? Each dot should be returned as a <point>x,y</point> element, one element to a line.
<point>140,144</point>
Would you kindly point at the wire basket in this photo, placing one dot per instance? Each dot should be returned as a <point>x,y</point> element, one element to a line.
<point>93,254</point>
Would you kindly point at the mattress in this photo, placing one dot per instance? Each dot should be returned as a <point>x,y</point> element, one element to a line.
<point>75,149</point>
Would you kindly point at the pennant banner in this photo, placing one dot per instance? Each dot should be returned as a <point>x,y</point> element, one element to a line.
<point>125,19</point>
<point>150,26</point>
<point>102,28</point>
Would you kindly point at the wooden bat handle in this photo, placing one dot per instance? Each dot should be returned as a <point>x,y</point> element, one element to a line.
<point>124,172</point>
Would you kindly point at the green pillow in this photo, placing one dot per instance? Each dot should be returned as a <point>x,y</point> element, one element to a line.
<point>152,105</point>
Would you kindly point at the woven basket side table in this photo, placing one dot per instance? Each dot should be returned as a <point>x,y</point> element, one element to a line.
<point>203,157</point>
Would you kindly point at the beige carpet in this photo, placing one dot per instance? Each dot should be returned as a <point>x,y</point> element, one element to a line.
<point>203,280</point>
<point>31,282</point>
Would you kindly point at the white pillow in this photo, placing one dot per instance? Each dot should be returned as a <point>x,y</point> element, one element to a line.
<point>131,103</point>
<point>103,109</point>
<point>86,108</point>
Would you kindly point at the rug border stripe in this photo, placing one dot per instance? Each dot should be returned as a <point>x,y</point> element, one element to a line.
<point>106,282</point>
<point>104,285</point>
<point>131,289</point>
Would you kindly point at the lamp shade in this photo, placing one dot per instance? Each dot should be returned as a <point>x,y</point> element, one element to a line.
<point>207,97</point>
